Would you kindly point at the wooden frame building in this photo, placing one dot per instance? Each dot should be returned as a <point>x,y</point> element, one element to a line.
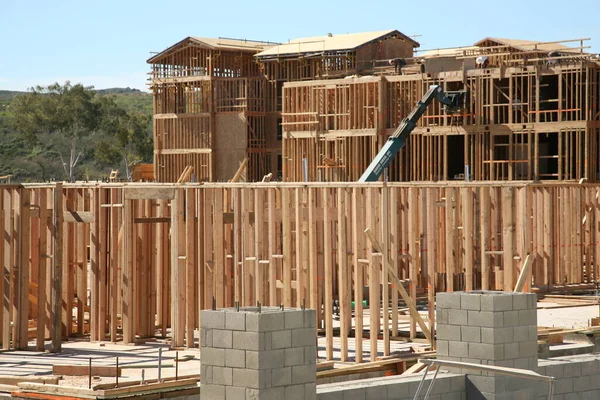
<point>210,110</point>
<point>218,101</point>
<point>528,116</point>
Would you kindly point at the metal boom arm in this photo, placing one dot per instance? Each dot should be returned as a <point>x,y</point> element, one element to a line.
<point>398,139</point>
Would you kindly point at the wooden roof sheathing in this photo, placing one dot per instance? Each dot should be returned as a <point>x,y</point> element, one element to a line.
<point>527,45</point>
<point>330,43</point>
<point>251,46</point>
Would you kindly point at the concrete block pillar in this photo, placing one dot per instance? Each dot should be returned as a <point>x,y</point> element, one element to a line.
<point>248,355</point>
<point>492,328</point>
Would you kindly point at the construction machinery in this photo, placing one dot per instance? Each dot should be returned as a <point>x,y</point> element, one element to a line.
<point>452,102</point>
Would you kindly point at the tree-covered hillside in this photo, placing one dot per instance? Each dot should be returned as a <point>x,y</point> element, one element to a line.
<point>69,132</point>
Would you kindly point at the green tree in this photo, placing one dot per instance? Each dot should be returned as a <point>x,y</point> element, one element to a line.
<point>64,118</point>
<point>67,127</point>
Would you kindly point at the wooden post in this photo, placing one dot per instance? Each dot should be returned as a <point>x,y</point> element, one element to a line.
<point>22,309</point>
<point>57,267</point>
<point>508,228</point>
<point>177,270</point>
<point>468,233</point>
<point>190,265</point>
<point>128,313</point>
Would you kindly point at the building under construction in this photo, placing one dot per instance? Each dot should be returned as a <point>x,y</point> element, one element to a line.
<point>319,109</point>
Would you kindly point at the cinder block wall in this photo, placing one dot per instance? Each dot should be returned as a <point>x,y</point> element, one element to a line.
<point>447,387</point>
<point>248,354</point>
<point>491,328</point>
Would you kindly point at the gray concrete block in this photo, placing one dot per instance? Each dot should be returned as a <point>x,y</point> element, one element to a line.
<point>470,334</point>
<point>448,300</point>
<point>448,332</point>
<point>377,391</point>
<point>492,352</point>
<point>458,349</point>
<point>511,351</point>
<point>522,362</point>
<point>235,358</point>
<point>206,373</point>
<point>330,394</point>
<point>304,374</point>
<point>222,376</point>
<point>510,318</point>
<point>264,322</point>
<point>359,393</point>
<point>252,378</point>
<point>266,394</point>
<point>212,319</point>
<point>497,335</point>
<point>572,369</point>
<point>235,321</point>
<point>582,383</point>
<point>527,349</point>
<point>235,393</point>
<point>294,392</point>
<point>212,356</point>
<point>441,316</point>
<point>590,395</point>
<point>310,318</point>
<point>281,339</point>
<point>475,350</point>
<point>457,317</point>
<point>453,396</point>
<point>267,341</point>
<point>281,376</point>
<point>458,384</point>
<point>528,317</point>
<point>304,337</point>
<point>294,319</point>
<point>504,363</point>
<point>487,319</point>
<point>564,385</point>
<point>294,356</point>
<point>249,340</point>
<point>521,333</point>
<point>470,301</point>
<point>310,355</point>
<point>310,391</point>
<point>216,392</point>
<point>265,359</point>
<point>442,347</point>
<point>520,301</point>
<point>222,339</point>
<point>533,335</point>
<point>205,337</point>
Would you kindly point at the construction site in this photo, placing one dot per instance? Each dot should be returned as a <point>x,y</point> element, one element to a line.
<point>336,217</point>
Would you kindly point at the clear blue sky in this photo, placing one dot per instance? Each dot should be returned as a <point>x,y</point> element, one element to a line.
<point>106,43</point>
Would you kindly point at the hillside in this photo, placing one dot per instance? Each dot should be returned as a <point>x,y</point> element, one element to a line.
<point>132,100</point>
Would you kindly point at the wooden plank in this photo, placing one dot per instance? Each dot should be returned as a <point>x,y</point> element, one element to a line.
<point>84,370</point>
<point>524,274</point>
<point>344,295</point>
<point>149,193</point>
<point>327,239</point>
<point>468,234</point>
<point>508,228</point>
<point>57,268</point>
<point>86,217</point>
